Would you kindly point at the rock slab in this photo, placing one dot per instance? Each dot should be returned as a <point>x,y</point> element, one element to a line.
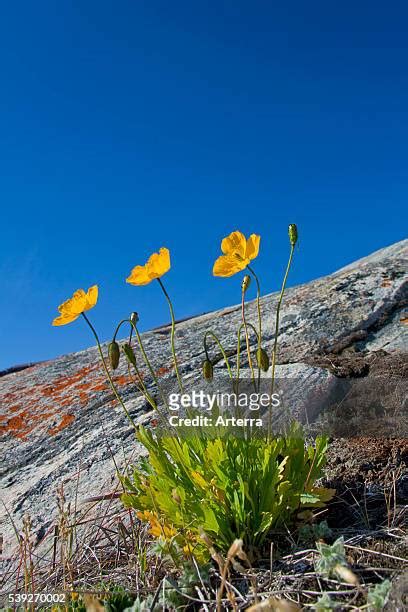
<point>59,422</point>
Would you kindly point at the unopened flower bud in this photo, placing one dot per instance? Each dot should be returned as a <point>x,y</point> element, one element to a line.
<point>246,281</point>
<point>262,359</point>
<point>293,234</point>
<point>208,370</point>
<point>130,355</point>
<point>114,354</point>
<point>134,317</point>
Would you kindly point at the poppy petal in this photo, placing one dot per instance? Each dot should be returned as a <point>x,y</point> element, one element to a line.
<point>139,276</point>
<point>64,319</point>
<point>252,246</point>
<point>228,265</point>
<point>234,243</point>
<point>159,263</point>
<point>91,297</point>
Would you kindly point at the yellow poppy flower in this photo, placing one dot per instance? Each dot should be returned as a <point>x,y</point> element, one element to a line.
<point>157,529</point>
<point>79,303</point>
<point>157,265</point>
<point>238,252</point>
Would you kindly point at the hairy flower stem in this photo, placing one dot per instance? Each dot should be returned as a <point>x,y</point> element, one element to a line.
<point>153,373</point>
<point>173,330</point>
<point>140,384</point>
<point>258,306</point>
<point>176,436</point>
<point>245,324</point>
<point>108,375</point>
<point>211,333</point>
<point>141,387</point>
<point>275,344</point>
<point>237,381</point>
<point>240,328</point>
<point>119,325</point>
<point>149,365</point>
<point>163,396</point>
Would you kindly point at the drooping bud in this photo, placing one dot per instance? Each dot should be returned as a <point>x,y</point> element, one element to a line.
<point>293,234</point>
<point>114,354</point>
<point>208,370</point>
<point>262,359</point>
<point>130,355</point>
<point>134,317</point>
<point>246,281</point>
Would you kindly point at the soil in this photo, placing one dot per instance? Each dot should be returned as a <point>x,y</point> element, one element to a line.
<point>370,476</point>
<point>351,363</point>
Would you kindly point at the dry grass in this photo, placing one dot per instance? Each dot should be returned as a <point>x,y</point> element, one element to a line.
<point>99,544</point>
<point>102,544</point>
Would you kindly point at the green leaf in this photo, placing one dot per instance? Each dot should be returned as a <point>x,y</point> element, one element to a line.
<point>266,523</point>
<point>230,487</point>
<point>308,498</point>
<point>378,595</point>
<point>325,604</point>
<point>210,520</point>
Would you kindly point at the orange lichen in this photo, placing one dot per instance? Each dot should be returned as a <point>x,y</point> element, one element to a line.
<point>162,371</point>
<point>122,380</point>
<point>45,401</point>
<point>100,387</point>
<point>65,421</point>
<point>9,396</point>
<point>22,424</point>
<point>15,423</point>
<point>83,397</point>
<point>65,382</point>
<point>34,406</point>
<point>22,435</point>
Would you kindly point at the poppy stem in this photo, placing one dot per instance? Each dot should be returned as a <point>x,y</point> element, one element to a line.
<point>275,344</point>
<point>245,324</point>
<point>119,325</point>
<point>240,328</point>
<point>173,330</point>
<point>154,376</point>
<point>152,372</point>
<point>258,306</point>
<point>149,365</point>
<point>211,333</point>
<point>160,390</point>
<point>108,375</point>
<point>142,388</point>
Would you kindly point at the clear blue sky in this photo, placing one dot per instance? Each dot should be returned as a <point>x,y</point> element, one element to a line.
<point>126,126</point>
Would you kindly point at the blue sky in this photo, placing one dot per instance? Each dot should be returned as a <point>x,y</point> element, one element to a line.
<point>126,126</point>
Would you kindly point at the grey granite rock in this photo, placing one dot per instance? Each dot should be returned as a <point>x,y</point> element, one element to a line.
<point>60,423</point>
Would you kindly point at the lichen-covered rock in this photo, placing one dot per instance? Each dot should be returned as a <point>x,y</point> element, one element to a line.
<point>60,423</point>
